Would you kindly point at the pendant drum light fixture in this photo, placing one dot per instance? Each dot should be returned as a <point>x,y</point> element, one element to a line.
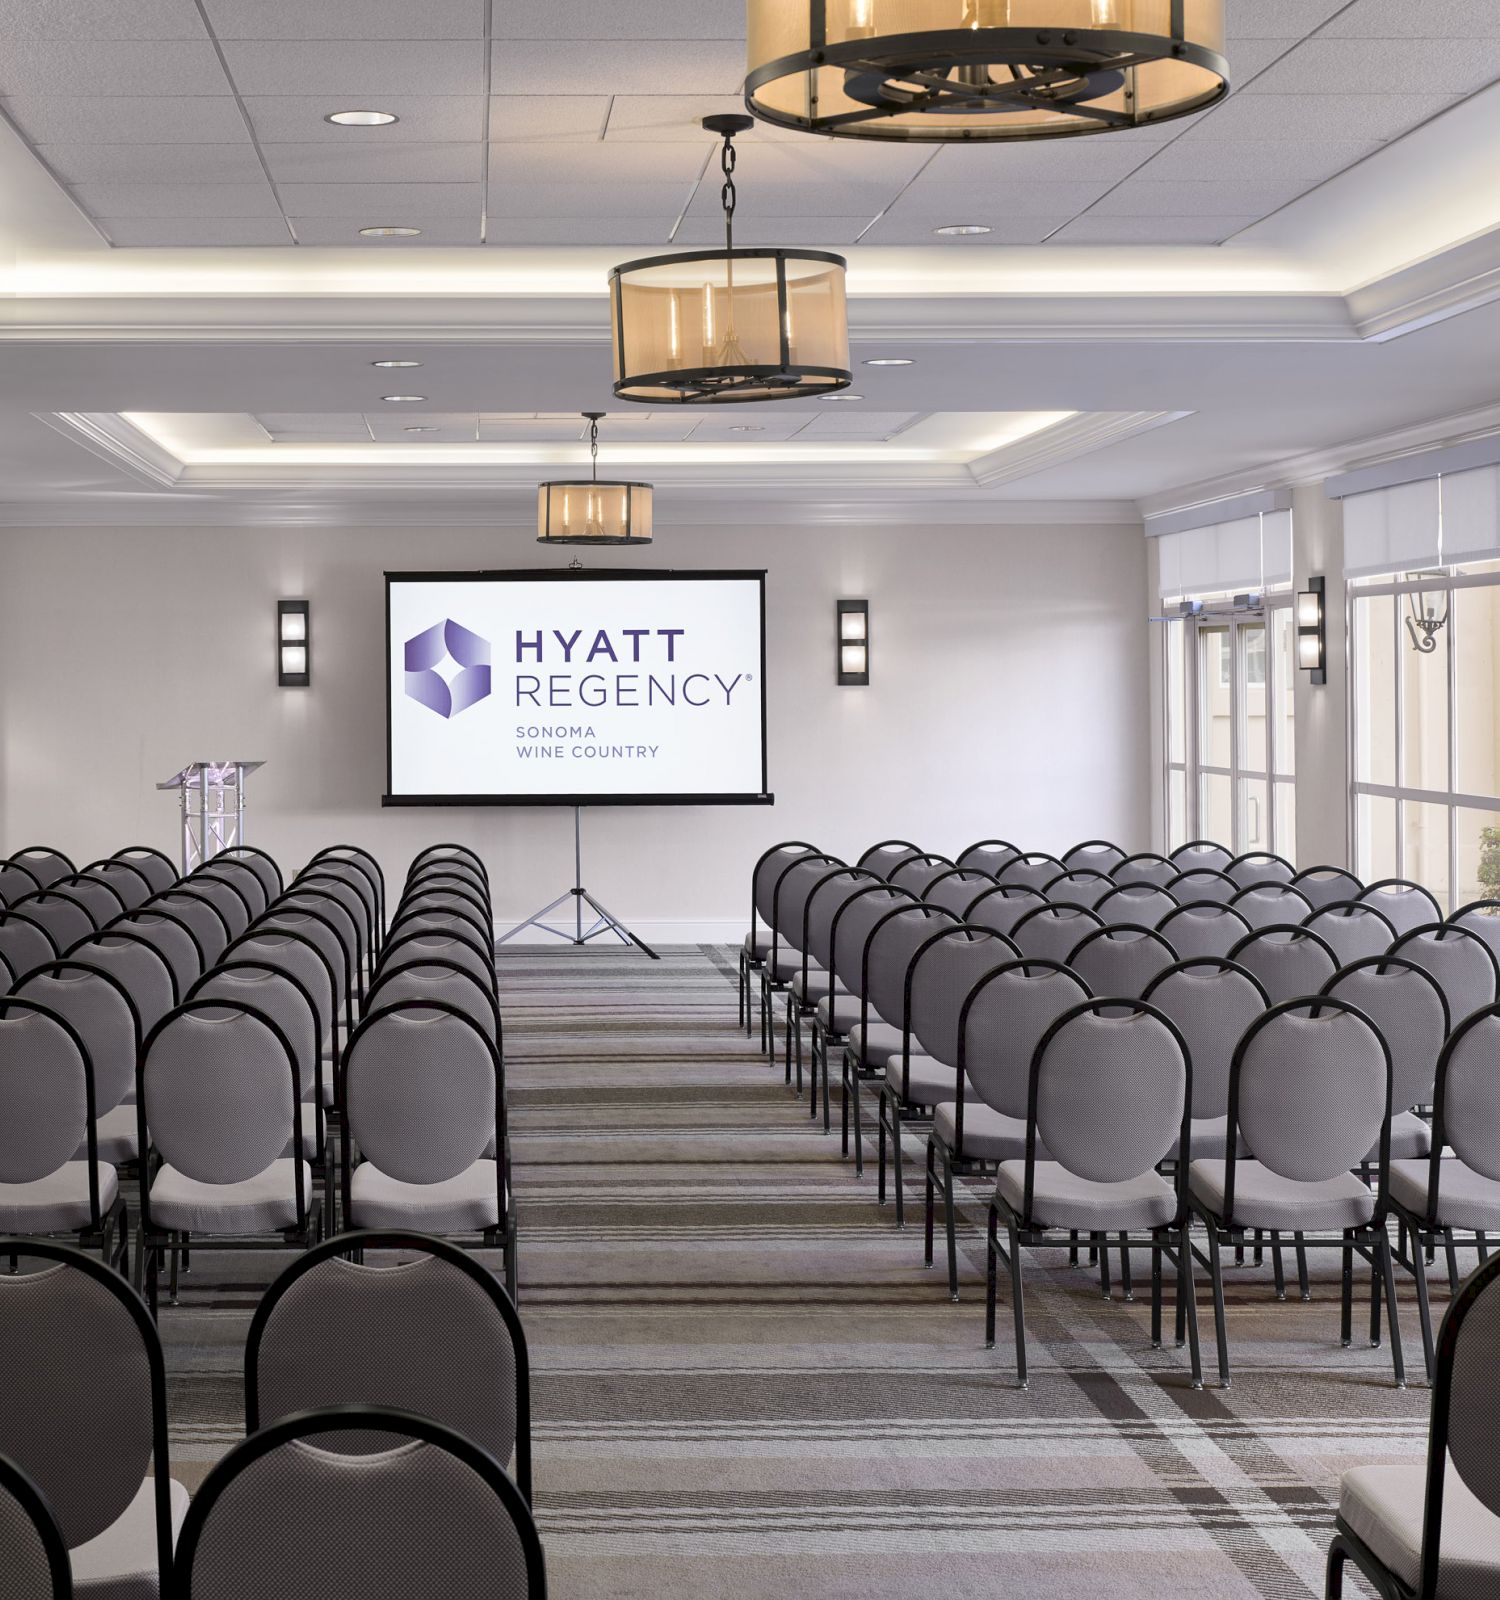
<point>709,326</point>
<point>982,69</point>
<point>593,510</point>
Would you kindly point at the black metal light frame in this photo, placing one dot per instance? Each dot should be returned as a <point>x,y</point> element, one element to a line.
<point>852,608</point>
<point>285,679</point>
<point>1310,632</point>
<point>594,481</point>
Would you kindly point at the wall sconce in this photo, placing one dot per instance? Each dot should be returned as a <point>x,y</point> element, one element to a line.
<point>1424,624</point>
<point>854,643</point>
<point>293,644</point>
<point>1312,632</point>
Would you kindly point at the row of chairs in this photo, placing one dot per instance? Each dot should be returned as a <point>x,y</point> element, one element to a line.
<point>397,1357</point>
<point>1263,1088</point>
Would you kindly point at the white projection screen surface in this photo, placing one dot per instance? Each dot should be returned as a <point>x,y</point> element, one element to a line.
<point>586,688</point>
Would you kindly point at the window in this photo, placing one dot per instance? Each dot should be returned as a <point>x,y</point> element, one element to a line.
<point>1425,705</point>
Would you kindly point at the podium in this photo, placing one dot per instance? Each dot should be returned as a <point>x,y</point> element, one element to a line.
<point>212,796</point>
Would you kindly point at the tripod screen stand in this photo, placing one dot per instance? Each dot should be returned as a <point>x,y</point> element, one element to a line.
<point>605,921</point>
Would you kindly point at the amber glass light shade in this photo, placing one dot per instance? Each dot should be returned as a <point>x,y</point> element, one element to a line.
<point>593,512</point>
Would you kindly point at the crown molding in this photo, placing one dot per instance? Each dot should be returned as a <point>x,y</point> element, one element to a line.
<point>109,436</point>
<point>1063,442</point>
<point>1445,285</point>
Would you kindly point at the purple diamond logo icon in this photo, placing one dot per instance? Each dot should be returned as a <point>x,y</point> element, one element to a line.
<point>447,668</point>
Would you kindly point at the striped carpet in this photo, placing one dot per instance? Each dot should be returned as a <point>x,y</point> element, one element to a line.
<point>746,1385</point>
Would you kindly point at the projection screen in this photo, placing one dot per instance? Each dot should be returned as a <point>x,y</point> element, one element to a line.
<point>575,688</point>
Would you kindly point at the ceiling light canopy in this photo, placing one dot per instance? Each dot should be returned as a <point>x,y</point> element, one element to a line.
<point>982,69</point>
<point>362,119</point>
<point>961,230</point>
<point>593,510</point>
<point>394,363</point>
<point>402,399</point>
<point>710,326</point>
<point>387,230</point>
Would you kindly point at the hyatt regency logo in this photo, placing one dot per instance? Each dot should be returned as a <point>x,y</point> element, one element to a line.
<point>447,668</point>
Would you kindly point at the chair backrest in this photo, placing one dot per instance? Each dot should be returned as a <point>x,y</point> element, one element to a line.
<point>15,882</point>
<point>1271,905</point>
<point>102,1014</point>
<point>263,866</point>
<point>65,921</point>
<point>1110,1089</point>
<point>275,994</point>
<point>7,977</point>
<point>422,1089</point>
<point>353,918</point>
<point>1120,960</point>
<point>449,869</point>
<point>1202,883</point>
<point>83,1408</point>
<point>1260,866</point>
<point>96,895</point>
<point>853,922</point>
<point>793,888</point>
<point>1212,1001</point>
<point>1460,961</point>
<point>433,1514</point>
<point>916,872</point>
<point>241,876</point>
<point>989,855</point>
<point>1001,1021</point>
<point>1080,886</point>
<point>438,981</point>
<point>1408,1007</point>
<point>882,859</point>
<point>1201,853</point>
<point>319,930</point>
<point>1481,917</point>
<point>37,1565</point>
<point>169,936</point>
<point>285,950</point>
<point>766,874</point>
<point>24,944</point>
<point>957,889</point>
<point>1145,867</point>
<point>1002,907</point>
<point>832,890</point>
<point>1351,930</point>
<point>455,924</point>
<point>197,912</point>
<point>224,895</point>
<point>889,949</point>
<point>1052,933</point>
<point>44,863</point>
<point>1326,886</point>
<point>357,875</point>
<point>1406,905</point>
<point>1203,928</point>
<point>1098,855</point>
<point>46,1097</point>
<point>437,1335</point>
<point>423,948</point>
<point>1310,1092</point>
<point>1032,871</point>
<point>158,869</point>
<point>450,852</point>
<point>940,975</point>
<point>131,885</point>
<point>441,893</point>
<point>1142,905</point>
<point>220,1085</point>
<point>1287,960</point>
<point>328,906</point>
<point>1467,1108</point>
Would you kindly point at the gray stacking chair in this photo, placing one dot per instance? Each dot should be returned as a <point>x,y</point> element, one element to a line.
<point>1079,886</point>
<point>420,949</point>
<point>347,908</point>
<point>326,903</point>
<point>65,921</point>
<point>1002,907</point>
<point>1000,1022</point>
<point>1141,905</point>
<point>1259,866</point>
<point>1309,1094</point>
<point>461,921</point>
<point>957,889</point>
<point>357,875</point>
<point>97,896</point>
<point>1202,883</point>
<point>882,859</point>
<point>1097,855</point>
<point>224,895</point>
<point>941,971</point>
<point>1032,871</point>
<point>246,882</point>
<point>757,944</point>
<point>157,868</point>
<point>815,992</point>
<point>843,1014</point>
<point>1351,930</point>
<point>131,885</point>
<point>1288,960</point>
<point>286,950</point>
<point>219,1092</point>
<point>429,1514</point>
<point>1203,928</point>
<point>1434,1530</point>
<point>436,980</point>
<point>1120,960</point>
<point>1462,964</point>
<point>917,871</point>
<point>7,977</point>
<point>1145,867</point>
<point>1405,905</point>
<point>424,1100</point>
<point>1109,1098</point>
<point>1481,917</point>
<point>449,852</point>
<point>171,938</point>
<point>785,958</point>
<point>437,1335</point>
<point>365,864</point>
<point>1271,905</point>
<point>44,863</point>
<point>83,1410</point>
<point>1408,1007</point>
<point>315,925</point>
<point>15,883</point>
<point>447,870</point>
<point>1326,886</point>
<point>197,912</point>
<point>262,865</point>
<point>46,1117</point>
<point>989,855</point>
<point>445,890</point>
<point>1051,933</point>
<point>101,1012</point>
<point>24,944</point>
<point>1201,853</point>
<point>36,1557</point>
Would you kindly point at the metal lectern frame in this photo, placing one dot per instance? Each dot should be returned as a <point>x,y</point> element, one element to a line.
<point>210,823</point>
<point>605,921</point>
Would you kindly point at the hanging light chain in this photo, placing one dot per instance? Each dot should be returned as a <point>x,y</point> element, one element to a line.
<point>726,194</point>
<point>594,448</point>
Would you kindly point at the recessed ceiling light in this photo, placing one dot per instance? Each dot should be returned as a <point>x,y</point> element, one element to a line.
<point>843,394</point>
<point>960,230</point>
<point>395,363</point>
<point>424,427</point>
<point>747,427</point>
<point>889,361</point>
<point>362,119</point>
<point>386,231</point>
<point>401,399</point>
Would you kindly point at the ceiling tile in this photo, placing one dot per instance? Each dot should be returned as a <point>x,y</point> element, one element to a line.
<point>346,19</point>
<point>1094,229</point>
<point>118,67</point>
<point>350,71</point>
<point>618,66</point>
<point>991,202</point>
<point>99,19</point>
<point>1248,60</point>
<point>896,228</point>
<point>1277,19</point>
<point>771,426</point>
<point>641,19</point>
<point>1100,159</point>
<point>433,119</point>
<point>177,199</point>
<point>1431,19</point>
<point>751,230</point>
<point>165,233</point>
<point>628,233</point>
<point>531,161</point>
<point>680,116</point>
<point>367,163</point>
<point>587,199</point>
<point>1318,117</point>
<point>436,231</point>
<point>1260,159</point>
<point>328,425</point>
<point>533,117</point>
<point>129,119</point>
<point>376,203</point>
<point>153,163</point>
<point>850,421</point>
<point>1375,66</point>
<point>825,161</point>
<point>1146,197</point>
<point>454,427</point>
<point>793,200</point>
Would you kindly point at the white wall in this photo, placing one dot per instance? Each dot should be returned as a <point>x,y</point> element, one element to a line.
<point>1009,697</point>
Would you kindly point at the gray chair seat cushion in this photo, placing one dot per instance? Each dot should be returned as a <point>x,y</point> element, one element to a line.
<point>1263,1199</point>
<point>265,1203</point>
<point>989,1135</point>
<point>874,1043</point>
<point>1411,1138</point>
<point>1384,1507</point>
<point>927,1082</point>
<point>58,1203</point>
<point>788,964</point>
<point>1466,1199</point>
<point>816,987</point>
<point>118,1140</point>
<point>842,1015</point>
<point>120,1563</point>
<point>1061,1199</point>
<point>464,1204</point>
<point>757,946</point>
